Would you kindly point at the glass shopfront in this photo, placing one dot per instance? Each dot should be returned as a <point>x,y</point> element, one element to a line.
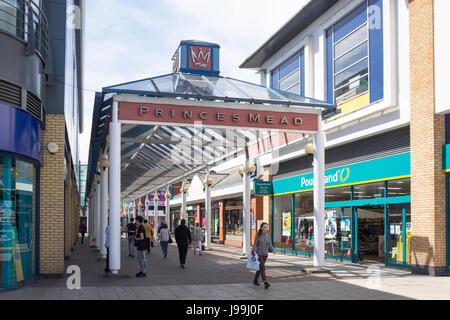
<point>233,219</point>
<point>363,222</point>
<point>175,218</point>
<point>17,221</point>
<point>191,213</point>
<point>304,222</point>
<point>215,221</point>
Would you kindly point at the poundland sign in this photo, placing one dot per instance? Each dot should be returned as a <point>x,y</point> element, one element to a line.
<point>393,167</point>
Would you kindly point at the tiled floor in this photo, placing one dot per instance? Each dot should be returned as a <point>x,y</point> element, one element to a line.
<point>221,274</point>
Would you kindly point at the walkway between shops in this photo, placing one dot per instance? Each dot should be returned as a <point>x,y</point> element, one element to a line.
<point>221,274</point>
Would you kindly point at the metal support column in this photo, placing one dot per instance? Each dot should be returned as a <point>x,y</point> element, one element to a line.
<point>114,189</point>
<point>246,207</point>
<point>207,211</point>
<point>97,216</point>
<point>103,210</point>
<point>183,214</point>
<point>319,196</point>
<point>168,208</point>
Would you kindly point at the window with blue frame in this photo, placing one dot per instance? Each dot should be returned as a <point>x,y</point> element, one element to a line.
<point>354,53</point>
<point>290,75</point>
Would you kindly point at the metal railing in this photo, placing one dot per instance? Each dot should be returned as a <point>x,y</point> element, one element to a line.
<point>26,21</point>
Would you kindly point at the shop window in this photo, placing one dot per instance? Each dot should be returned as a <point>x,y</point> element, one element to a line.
<point>395,234</point>
<point>368,191</point>
<point>17,221</point>
<point>215,221</point>
<point>399,234</point>
<point>289,76</point>
<point>282,229</point>
<point>233,224</point>
<point>337,194</point>
<point>338,232</point>
<point>399,188</point>
<point>304,222</point>
<point>408,233</point>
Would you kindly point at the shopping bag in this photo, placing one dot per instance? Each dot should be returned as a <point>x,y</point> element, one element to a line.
<point>253,262</point>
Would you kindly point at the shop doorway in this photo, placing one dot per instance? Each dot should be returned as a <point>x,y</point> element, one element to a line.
<point>370,234</point>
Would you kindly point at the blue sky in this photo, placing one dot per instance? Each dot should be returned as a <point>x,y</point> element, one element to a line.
<point>130,40</point>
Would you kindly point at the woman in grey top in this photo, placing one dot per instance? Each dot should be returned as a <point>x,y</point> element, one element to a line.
<point>262,247</point>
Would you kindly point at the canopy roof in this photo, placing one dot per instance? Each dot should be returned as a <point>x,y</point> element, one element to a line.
<point>151,155</point>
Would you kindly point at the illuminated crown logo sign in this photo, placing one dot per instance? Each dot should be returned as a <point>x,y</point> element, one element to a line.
<point>201,59</point>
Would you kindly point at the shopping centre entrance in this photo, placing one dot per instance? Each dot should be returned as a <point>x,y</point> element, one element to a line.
<point>152,133</point>
<point>370,234</point>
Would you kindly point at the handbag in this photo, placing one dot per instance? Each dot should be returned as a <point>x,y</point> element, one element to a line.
<point>253,262</point>
<point>151,243</point>
<point>170,238</point>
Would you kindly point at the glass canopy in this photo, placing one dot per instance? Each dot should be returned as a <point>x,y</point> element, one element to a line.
<point>214,88</point>
<point>147,149</point>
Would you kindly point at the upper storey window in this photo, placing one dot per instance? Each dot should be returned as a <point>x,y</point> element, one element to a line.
<point>354,50</point>
<point>290,75</point>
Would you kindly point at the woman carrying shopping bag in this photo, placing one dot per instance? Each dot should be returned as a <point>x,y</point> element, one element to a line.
<point>262,247</point>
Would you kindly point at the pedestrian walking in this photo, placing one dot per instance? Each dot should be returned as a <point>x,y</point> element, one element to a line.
<point>130,235</point>
<point>141,245</point>
<point>164,236</point>
<point>198,238</point>
<point>82,230</point>
<point>148,234</point>
<point>262,247</point>
<point>107,232</point>
<point>183,238</point>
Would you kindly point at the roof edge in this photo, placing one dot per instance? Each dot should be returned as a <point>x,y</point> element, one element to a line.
<point>310,12</point>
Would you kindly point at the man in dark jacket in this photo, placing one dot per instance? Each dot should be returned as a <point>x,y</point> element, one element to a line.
<point>183,238</point>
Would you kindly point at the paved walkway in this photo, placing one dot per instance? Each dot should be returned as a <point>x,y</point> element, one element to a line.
<point>221,274</point>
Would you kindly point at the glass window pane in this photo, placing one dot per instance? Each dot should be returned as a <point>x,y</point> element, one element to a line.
<point>345,231</point>
<point>17,220</point>
<point>294,89</point>
<point>352,40</point>
<point>290,80</point>
<point>332,232</point>
<point>399,188</point>
<point>282,230</point>
<point>352,89</point>
<point>289,66</point>
<point>8,16</point>
<point>408,233</point>
<point>368,191</point>
<point>166,83</point>
<point>274,84</point>
<point>353,20</point>
<point>351,57</point>
<point>395,233</point>
<point>351,74</point>
<point>304,222</point>
<point>337,194</point>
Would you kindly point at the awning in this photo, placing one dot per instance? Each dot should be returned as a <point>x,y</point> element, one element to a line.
<point>152,155</point>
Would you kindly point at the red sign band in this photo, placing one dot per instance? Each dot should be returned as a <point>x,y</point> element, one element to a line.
<point>185,115</point>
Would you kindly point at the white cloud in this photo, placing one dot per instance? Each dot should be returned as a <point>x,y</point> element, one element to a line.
<point>131,40</point>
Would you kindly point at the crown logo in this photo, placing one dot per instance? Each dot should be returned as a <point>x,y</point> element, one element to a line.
<point>200,59</point>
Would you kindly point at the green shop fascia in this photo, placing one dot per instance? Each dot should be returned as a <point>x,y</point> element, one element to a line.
<point>367,211</point>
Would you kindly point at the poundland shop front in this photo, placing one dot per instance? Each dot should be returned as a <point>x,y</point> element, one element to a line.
<point>367,212</point>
